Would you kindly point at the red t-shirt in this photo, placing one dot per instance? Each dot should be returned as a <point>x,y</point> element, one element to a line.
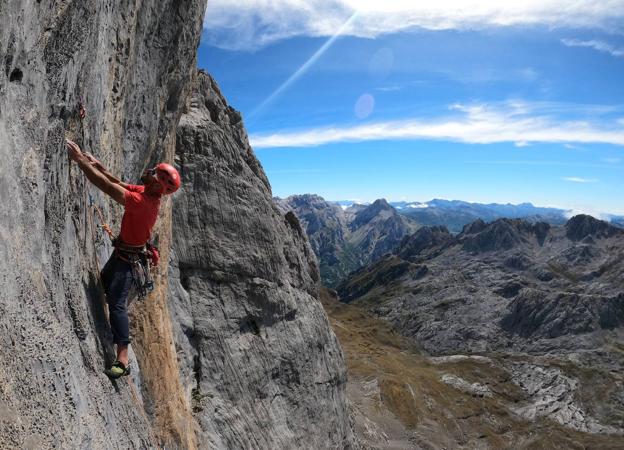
<point>140,214</point>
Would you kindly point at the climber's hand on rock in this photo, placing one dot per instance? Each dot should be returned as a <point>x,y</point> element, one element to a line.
<point>94,162</point>
<point>73,150</point>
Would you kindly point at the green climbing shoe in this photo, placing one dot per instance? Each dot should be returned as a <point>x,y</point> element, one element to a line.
<point>118,370</point>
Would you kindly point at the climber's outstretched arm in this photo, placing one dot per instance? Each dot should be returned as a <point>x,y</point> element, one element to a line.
<point>99,166</point>
<point>114,190</point>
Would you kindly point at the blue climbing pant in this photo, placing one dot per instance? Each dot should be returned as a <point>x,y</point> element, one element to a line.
<point>117,280</point>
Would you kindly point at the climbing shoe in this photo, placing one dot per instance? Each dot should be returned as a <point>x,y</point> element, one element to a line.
<point>118,370</point>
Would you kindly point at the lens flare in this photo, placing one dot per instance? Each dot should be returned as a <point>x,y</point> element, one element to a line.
<point>364,106</point>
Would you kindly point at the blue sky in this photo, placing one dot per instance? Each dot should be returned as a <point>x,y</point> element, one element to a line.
<point>477,102</point>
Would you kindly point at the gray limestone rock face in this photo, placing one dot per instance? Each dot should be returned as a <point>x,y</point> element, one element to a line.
<point>129,64</point>
<point>259,361</point>
<point>326,226</point>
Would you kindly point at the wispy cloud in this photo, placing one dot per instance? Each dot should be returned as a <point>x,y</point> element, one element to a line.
<point>543,163</point>
<point>255,23</point>
<point>612,160</point>
<point>580,180</point>
<point>596,45</point>
<point>516,122</point>
<point>389,88</point>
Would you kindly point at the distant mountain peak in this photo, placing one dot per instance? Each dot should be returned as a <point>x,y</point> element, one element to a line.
<point>473,227</point>
<point>583,225</point>
<point>372,211</point>
<point>306,198</point>
<point>381,203</point>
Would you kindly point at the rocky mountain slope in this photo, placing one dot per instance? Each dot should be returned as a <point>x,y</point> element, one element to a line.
<point>257,356</point>
<point>405,399</point>
<point>254,331</point>
<point>516,288</point>
<point>345,240</point>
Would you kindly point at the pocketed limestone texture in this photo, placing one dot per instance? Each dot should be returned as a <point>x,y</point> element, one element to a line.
<point>260,364</point>
<point>129,64</point>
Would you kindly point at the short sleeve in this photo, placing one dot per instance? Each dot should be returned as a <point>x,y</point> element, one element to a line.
<point>132,199</point>
<point>134,188</point>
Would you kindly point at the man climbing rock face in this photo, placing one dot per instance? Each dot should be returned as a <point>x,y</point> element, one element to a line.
<point>141,204</point>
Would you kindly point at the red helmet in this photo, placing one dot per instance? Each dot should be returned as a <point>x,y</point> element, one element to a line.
<point>168,177</point>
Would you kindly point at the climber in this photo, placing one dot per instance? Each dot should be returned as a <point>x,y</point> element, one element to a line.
<point>141,204</point>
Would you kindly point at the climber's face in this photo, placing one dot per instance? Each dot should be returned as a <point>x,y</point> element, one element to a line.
<point>149,177</point>
<point>150,180</point>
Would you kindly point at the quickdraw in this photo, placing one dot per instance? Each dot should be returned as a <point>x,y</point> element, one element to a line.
<point>103,223</point>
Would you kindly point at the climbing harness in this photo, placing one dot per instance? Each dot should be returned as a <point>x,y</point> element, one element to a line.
<point>141,258</point>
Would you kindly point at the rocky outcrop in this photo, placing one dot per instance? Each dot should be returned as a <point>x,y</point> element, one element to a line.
<point>425,243</point>
<point>502,234</point>
<point>473,227</point>
<point>583,226</point>
<point>380,275</point>
<point>259,362</point>
<point>543,314</point>
<point>347,240</point>
<point>325,224</point>
<point>550,393</point>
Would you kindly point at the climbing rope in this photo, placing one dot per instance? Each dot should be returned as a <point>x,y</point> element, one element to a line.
<point>103,223</point>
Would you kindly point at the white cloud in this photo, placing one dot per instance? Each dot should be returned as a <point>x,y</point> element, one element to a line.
<point>596,45</point>
<point>251,24</point>
<point>580,180</point>
<point>589,210</point>
<point>517,122</point>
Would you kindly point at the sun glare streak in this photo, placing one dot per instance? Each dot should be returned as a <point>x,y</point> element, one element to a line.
<point>303,69</point>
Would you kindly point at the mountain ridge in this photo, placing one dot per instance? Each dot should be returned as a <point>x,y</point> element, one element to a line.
<point>346,239</point>
<point>456,213</point>
<point>513,257</point>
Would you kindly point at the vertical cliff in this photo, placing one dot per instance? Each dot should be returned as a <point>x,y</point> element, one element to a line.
<point>259,361</point>
<point>241,354</point>
<point>128,63</point>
